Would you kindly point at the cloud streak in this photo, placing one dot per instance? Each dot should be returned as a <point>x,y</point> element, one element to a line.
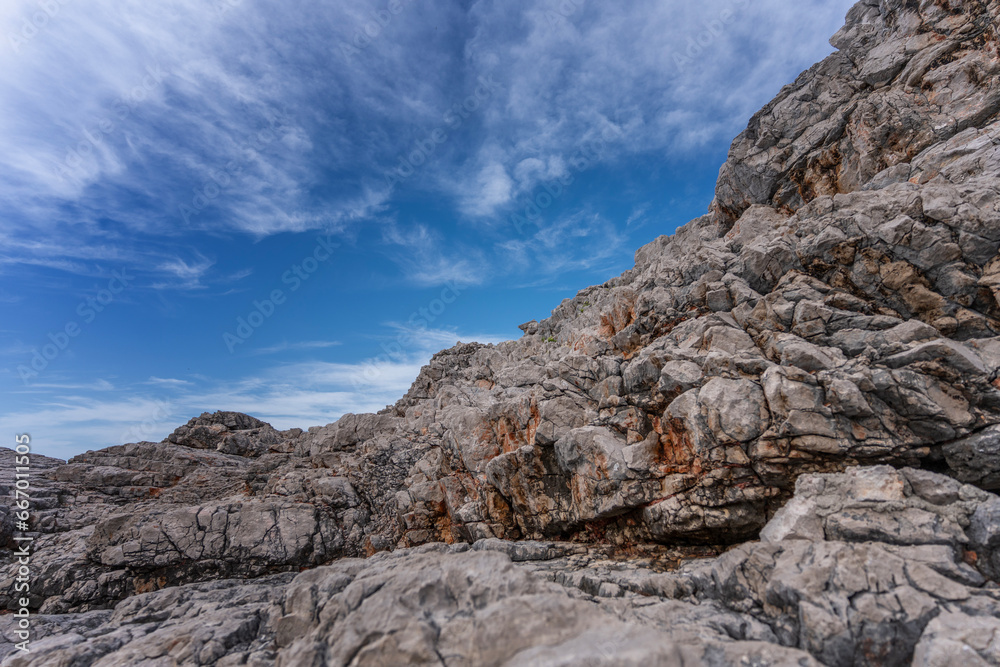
<point>70,418</point>
<point>259,120</point>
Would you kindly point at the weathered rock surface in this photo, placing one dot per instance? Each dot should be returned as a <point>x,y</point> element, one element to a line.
<point>867,567</point>
<point>837,310</point>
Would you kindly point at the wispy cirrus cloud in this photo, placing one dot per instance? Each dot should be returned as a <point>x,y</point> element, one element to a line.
<point>580,240</point>
<point>286,346</point>
<point>67,418</point>
<point>427,258</point>
<point>185,274</point>
<point>170,382</point>
<point>660,76</point>
<point>259,120</point>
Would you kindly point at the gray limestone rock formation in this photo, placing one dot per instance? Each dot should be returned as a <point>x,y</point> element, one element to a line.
<point>875,566</point>
<point>814,362</point>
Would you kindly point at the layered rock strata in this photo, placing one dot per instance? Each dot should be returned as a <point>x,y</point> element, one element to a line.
<point>872,567</point>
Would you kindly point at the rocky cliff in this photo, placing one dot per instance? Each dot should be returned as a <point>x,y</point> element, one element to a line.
<point>813,364</point>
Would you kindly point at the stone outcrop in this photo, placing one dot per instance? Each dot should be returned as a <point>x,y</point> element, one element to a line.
<point>232,433</point>
<point>814,362</point>
<point>911,82</point>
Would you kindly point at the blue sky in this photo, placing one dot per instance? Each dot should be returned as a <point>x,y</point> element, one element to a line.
<point>286,208</point>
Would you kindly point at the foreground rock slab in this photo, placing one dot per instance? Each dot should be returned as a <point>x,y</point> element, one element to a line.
<point>874,566</point>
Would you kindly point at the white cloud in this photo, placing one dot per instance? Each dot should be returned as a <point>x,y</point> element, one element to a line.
<point>636,217</point>
<point>66,426</point>
<point>173,115</point>
<point>300,394</point>
<point>285,346</point>
<point>263,101</point>
<point>427,258</point>
<point>632,67</point>
<point>174,382</point>
<point>580,240</point>
<point>532,170</point>
<point>185,274</point>
<point>490,190</point>
<point>97,385</point>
